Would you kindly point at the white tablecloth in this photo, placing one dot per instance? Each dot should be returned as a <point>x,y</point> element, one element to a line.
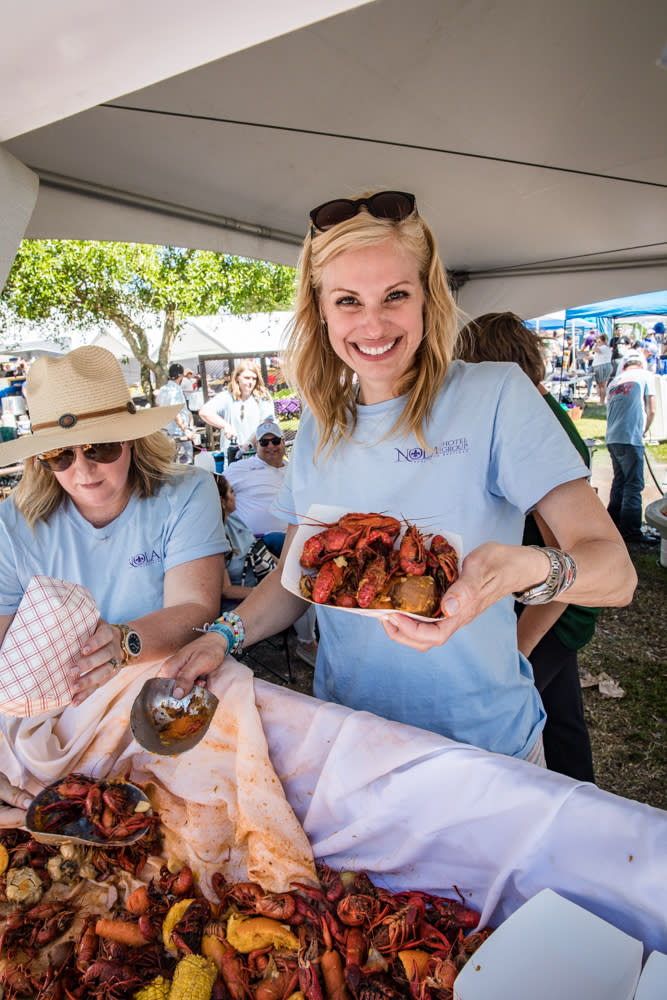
<point>413,809</point>
<point>420,811</point>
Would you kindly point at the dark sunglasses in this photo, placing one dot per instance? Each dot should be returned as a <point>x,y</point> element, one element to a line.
<point>265,442</point>
<point>60,459</point>
<point>393,205</point>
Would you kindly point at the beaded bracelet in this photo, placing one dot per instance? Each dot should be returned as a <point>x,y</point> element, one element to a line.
<point>230,625</point>
<point>562,574</point>
<point>230,638</point>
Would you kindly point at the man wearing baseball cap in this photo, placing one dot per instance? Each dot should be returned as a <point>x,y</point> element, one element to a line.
<point>257,480</point>
<point>631,406</point>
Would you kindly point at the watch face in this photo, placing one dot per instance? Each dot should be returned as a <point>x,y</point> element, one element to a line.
<point>133,643</point>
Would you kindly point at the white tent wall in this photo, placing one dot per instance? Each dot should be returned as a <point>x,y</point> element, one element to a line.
<point>18,194</point>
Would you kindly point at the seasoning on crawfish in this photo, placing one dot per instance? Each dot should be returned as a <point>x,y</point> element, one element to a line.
<point>359,567</point>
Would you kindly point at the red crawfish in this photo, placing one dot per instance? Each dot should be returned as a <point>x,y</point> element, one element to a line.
<point>392,932</point>
<point>412,552</point>
<point>329,579</point>
<point>446,558</point>
<point>373,579</point>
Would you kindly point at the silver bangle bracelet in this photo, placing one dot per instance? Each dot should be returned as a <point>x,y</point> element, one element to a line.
<point>562,574</point>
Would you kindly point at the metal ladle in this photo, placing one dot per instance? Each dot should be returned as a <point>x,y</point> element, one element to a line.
<point>166,725</point>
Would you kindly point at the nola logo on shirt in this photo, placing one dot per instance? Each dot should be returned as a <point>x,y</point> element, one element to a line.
<point>145,559</point>
<point>455,446</point>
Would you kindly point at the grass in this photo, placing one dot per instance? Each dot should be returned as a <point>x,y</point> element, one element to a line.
<point>629,734</point>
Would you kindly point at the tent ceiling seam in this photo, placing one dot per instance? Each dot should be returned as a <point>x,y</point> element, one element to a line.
<point>381,142</point>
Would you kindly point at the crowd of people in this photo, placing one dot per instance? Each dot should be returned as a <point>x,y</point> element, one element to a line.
<point>403,412</point>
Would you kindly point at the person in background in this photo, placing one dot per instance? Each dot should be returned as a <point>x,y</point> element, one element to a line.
<point>257,481</point>
<point>187,384</point>
<point>239,579</point>
<point>393,424</point>
<point>236,411</point>
<point>587,347</point>
<point>661,340</point>
<point>180,428</point>
<point>101,503</point>
<point>602,365</point>
<point>631,407</point>
<point>651,351</point>
<point>549,635</point>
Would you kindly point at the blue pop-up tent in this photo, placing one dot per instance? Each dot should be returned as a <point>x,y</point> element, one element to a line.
<point>603,314</point>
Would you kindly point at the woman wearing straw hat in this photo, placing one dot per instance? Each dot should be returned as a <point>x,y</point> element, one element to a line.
<point>102,504</point>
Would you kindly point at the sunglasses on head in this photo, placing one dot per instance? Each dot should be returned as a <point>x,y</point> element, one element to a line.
<point>60,459</point>
<point>392,205</point>
<point>266,441</point>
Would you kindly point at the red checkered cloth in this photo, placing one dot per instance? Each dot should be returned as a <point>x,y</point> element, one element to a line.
<point>53,620</point>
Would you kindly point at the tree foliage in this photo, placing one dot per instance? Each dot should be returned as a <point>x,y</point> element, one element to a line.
<point>88,282</point>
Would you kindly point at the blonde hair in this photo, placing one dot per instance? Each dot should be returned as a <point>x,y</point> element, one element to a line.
<point>39,493</point>
<point>260,391</point>
<point>323,380</point>
<point>502,336</point>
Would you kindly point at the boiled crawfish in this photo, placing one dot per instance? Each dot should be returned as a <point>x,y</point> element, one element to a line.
<point>357,562</point>
<point>351,533</point>
<point>107,805</point>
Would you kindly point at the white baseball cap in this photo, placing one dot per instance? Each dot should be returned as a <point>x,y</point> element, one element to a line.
<point>269,427</point>
<point>634,358</point>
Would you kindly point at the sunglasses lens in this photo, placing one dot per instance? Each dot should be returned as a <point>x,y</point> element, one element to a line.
<point>105,453</point>
<point>265,442</point>
<point>333,212</point>
<point>394,205</point>
<point>60,461</point>
<point>57,461</point>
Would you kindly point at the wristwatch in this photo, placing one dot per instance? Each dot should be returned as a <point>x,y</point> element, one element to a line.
<point>130,643</point>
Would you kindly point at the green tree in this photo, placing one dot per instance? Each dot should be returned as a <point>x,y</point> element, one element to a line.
<point>88,282</point>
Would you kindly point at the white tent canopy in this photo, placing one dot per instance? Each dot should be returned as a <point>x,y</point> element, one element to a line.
<point>243,334</point>
<point>532,133</point>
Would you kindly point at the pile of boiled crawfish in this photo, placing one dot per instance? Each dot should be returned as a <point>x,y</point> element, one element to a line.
<point>107,807</point>
<point>358,565</point>
<point>345,939</point>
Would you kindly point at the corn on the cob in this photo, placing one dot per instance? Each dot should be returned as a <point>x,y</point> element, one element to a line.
<point>194,977</point>
<point>157,989</point>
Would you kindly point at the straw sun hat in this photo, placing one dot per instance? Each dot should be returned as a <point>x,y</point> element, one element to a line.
<point>81,398</point>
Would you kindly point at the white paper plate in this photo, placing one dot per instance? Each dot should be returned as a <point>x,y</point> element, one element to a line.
<point>653,980</point>
<point>319,515</point>
<point>551,949</point>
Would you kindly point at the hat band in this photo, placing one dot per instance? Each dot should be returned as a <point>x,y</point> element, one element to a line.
<point>68,420</point>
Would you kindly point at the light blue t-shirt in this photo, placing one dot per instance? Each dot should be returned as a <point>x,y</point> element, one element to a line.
<point>122,564</point>
<point>169,395</point>
<point>494,450</point>
<point>626,416</point>
<point>245,416</point>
